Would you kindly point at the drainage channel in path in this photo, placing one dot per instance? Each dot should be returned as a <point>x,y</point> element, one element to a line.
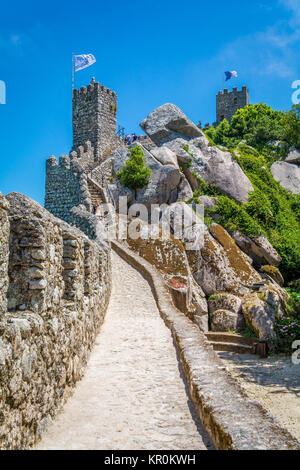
<point>133,394</point>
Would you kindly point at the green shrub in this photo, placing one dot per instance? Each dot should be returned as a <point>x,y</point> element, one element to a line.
<point>135,174</point>
<point>291,126</point>
<point>234,216</point>
<point>204,189</point>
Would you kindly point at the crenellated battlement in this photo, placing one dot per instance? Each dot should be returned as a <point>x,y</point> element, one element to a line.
<point>94,115</point>
<point>235,90</point>
<point>91,89</point>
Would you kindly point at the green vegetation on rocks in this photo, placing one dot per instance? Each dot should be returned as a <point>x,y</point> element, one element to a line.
<point>256,124</point>
<point>135,174</point>
<point>271,210</point>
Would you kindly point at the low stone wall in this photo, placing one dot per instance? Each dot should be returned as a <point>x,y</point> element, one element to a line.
<point>232,419</point>
<point>4,238</point>
<point>59,284</point>
<point>88,223</point>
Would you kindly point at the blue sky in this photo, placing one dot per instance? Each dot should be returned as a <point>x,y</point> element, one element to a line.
<point>149,52</point>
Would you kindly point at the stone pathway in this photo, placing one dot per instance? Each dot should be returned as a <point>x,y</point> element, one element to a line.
<point>274,382</point>
<point>133,395</point>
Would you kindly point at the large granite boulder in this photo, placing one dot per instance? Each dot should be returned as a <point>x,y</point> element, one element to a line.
<point>165,156</point>
<point>217,264</point>
<point>259,249</point>
<point>168,122</point>
<point>225,173</point>
<point>273,273</point>
<point>288,175</point>
<point>215,167</point>
<point>224,321</point>
<point>220,266</point>
<point>225,311</point>
<point>225,301</point>
<point>184,223</point>
<point>185,151</point>
<point>185,192</point>
<point>293,156</point>
<point>163,184</point>
<point>168,126</point>
<point>261,310</point>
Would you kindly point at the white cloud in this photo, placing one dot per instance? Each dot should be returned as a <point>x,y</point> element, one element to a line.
<point>294,7</point>
<point>272,52</point>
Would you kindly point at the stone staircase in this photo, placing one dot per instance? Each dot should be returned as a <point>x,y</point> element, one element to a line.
<point>232,343</point>
<point>102,194</point>
<point>94,192</point>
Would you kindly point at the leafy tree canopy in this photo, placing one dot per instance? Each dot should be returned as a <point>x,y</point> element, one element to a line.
<point>257,124</point>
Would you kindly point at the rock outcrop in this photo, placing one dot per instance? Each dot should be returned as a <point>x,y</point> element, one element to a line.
<point>262,309</point>
<point>225,311</point>
<point>165,156</point>
<point>220,266</point>
<point>293,156</point>
<point>225,173</point>
<point>169,127</point>
<point>185,192</point>
<point>259,249</point>
<point>288,175</point>
<point>274,273</point>
<point>163,185</point>
<point>223,321</point>
<point>168,122</point>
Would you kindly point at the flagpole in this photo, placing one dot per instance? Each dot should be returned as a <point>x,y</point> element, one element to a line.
<point>72,72</point>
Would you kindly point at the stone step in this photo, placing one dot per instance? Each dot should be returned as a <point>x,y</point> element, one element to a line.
<point>230,338</point>
<point>94,194</point>
<point>233,347</point>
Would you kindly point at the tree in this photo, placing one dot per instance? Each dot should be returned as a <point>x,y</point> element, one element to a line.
<point>135,174</point>
<point>258,124</point>
<point>291,126</point>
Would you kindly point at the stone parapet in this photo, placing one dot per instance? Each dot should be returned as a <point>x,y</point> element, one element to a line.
<point>58,284</point>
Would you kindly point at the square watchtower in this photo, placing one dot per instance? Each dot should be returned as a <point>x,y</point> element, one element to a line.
<point>227,103</point>
<point>94,117</point>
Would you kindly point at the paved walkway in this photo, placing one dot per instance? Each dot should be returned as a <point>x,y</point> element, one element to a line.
<point>274,382</point>
<point>132,395</point>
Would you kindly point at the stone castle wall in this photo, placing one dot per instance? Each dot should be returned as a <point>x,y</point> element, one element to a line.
<point>94,110</point>
<point>4,252</point>
<point>58,285</point>
<point>227,103</point>
<point>66,184</point>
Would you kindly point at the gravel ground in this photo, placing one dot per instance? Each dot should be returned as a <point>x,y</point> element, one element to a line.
<point>274,382</point>
<point>133,395</point>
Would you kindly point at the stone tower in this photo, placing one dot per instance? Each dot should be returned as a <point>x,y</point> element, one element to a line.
<point>229,102</point>
<point>94,116</point>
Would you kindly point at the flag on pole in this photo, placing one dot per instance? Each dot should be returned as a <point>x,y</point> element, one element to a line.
<point>230,75</point>
<point>82,61</point>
